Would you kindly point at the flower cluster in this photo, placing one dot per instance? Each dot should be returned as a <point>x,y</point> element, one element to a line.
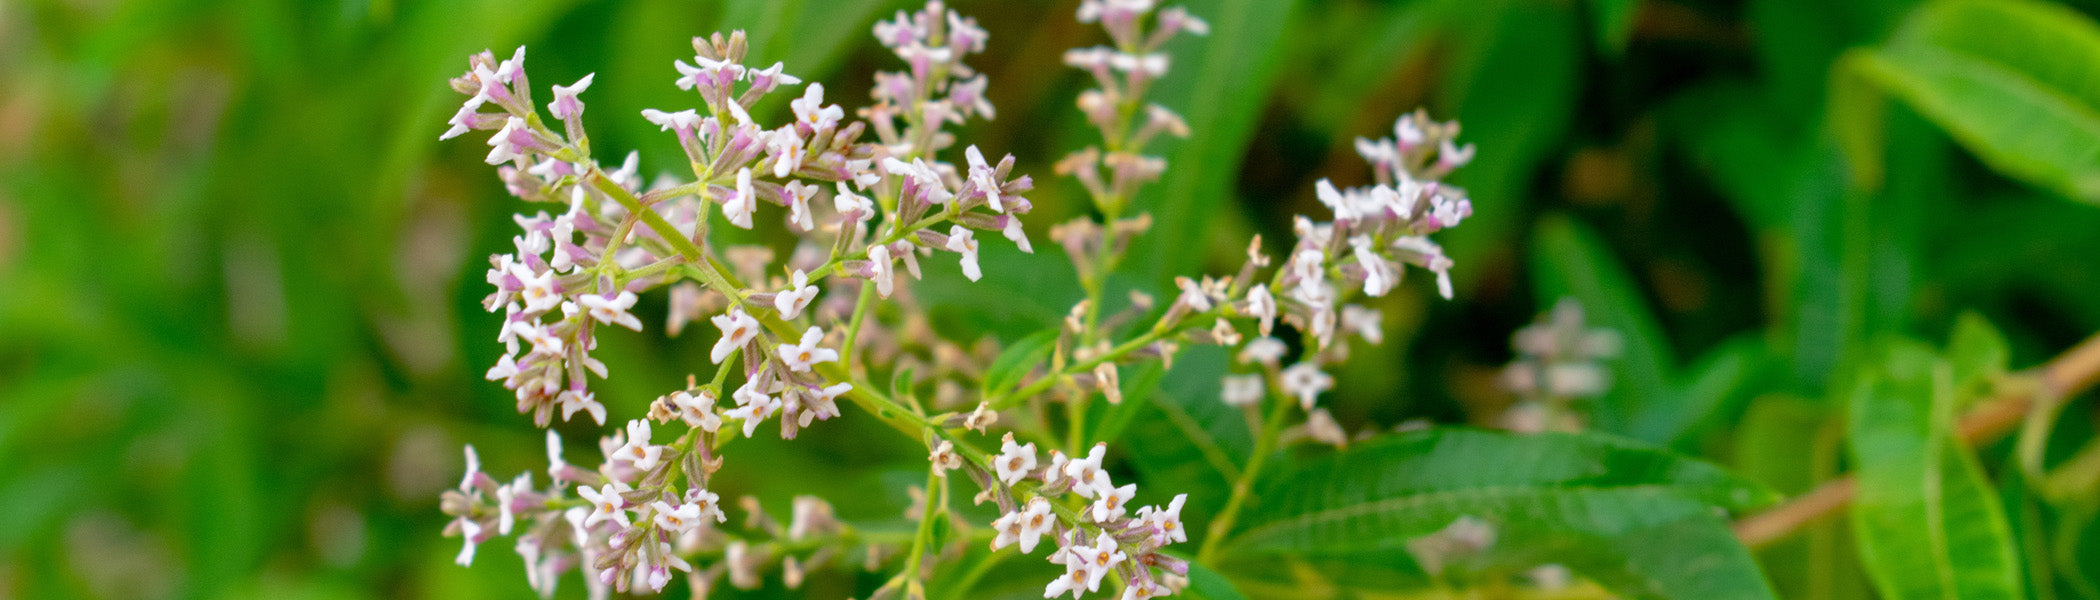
<point>1559,364</point>
<point>1102,536</point>
<point>1376,232</point>
<point>797,335</point>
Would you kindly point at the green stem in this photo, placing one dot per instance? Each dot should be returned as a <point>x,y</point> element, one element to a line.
<point>1271,428</point>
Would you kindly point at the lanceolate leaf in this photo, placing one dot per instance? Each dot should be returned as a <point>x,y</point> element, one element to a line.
<point>2016,82</point>
<point>1569,260</point>
<point>1928,523</point>
<point>1640,520</point>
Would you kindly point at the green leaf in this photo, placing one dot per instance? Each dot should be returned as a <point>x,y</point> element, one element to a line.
<point>1206,584</point>
<point>1613,21</point>
<point>1569,260</point>
<point>1016,361</point>
<point>1349,501</point>
<point>1637,519</point>
<point>1711,389</point>
<point>1138,386</point>
<point>1977,352</point>
<point>1928,523</point>
<point>2015,82</point>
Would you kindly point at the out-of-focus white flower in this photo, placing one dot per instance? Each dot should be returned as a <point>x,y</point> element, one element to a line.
<point>740,205</point>
<point>1109,505</point>
<point>586,401</point>
<point>1306,382</point>
<point>1087,476</point>
<point>638,450</point>
<point>1243,390</point>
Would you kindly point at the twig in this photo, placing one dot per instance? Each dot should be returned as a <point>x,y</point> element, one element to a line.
<point>2066,375</point>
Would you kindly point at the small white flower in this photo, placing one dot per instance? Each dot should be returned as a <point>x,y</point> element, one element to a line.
<point>737,330</point>
<point>1109,505</point>
<point>1168,521</point>
<point>539,293</point>
<point>613,310</point>
<point>708,504</point>
<point>986,177</point>
<point>606,504</point>
<point>1192,294</point>
<point>684,120</point>
<point>1262,350</point>
<point>681,518</point>
<point>798,195</point>
<point>505,368</point>
<point>1366,322</point>
<point>884,274</point>
<point>581,400</point>
<point>1099,559</point>
<point>638,450</point>
<point>739,206</point>
<point>1262,305</point>
<point>1087,476</point>
<point>753,407</point>
<point>1111,385</point>
<point>555,465</point>
<point>1056,469</point>
<point>810,109</point>
<point>463,120</point>
<point>1379,276</point>
<point>944,457</point>
<point>1306,382</point>
<point>1014,461</point>
<point>963,241</point>
<point>854,206</point>
<point>504,145</point>
<point>1074,580</point>
<point>697,410</point>
<point>786,146</point>
<point>1321,427</point>
<point>565,105</point>
<point>796,297</point>
<point>1013,231</point>
<point>800,357</point>
<point>1243,390</point>
<point>1026,526</point>
<point>471,532</point>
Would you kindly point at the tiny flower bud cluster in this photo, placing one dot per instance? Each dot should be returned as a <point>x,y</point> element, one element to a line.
<point>1559,364</point>
<point>1104,536</point>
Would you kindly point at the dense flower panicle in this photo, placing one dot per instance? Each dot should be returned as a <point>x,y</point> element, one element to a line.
<point>789,345</point>
<point>1559,364</point>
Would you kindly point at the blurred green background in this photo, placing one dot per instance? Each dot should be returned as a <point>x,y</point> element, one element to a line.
<point>240,340</point>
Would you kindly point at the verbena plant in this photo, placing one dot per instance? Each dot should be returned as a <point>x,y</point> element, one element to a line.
<point>798,335</point>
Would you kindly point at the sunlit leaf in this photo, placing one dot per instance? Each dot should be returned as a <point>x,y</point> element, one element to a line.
<point>2016,82</point>
<point>1929,524</point>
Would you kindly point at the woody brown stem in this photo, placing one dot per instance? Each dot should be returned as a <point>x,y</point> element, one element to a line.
<point>2066,375</point>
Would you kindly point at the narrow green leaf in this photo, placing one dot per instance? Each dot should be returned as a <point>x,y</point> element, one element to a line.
<point>2015,82</point>
<point>1711,389</point>
<point>1206,584</point>
<point>1380,494</point>
<point>1977,352</point>
<point>1569,260</point>
<point>1016,361</point>
<point>1138,386</point>
<point>1612,21</point>
<point>1928,523</point>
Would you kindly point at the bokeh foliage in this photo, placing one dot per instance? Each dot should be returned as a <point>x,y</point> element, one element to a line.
<point>240,343</point>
